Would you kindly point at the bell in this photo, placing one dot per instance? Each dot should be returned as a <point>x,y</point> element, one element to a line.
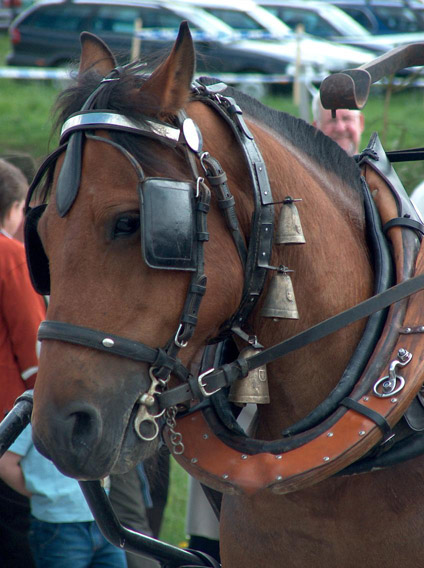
<point>254,387</point>
<point>280,301</point>
<point>289,230</point>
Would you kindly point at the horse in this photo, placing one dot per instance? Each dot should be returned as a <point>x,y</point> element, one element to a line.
<point>132,147</point>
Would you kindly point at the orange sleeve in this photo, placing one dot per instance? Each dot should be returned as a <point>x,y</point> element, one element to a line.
<point>23,310</point>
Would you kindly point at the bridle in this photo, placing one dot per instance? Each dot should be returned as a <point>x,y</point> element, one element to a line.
<point>192,200</point>
<point>195,195</point>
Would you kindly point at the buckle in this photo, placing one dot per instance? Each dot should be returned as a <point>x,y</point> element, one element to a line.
<point>202,385</point>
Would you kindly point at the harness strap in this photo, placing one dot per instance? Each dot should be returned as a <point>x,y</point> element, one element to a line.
<point>226,375</point>
<point>404,222</point>
<point>371,414</point>
<point>260,242</point>
<point>226,202</point>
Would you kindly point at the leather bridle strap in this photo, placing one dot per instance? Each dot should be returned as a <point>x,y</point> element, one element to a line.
<point>110,343</point>
<point>227,374</point>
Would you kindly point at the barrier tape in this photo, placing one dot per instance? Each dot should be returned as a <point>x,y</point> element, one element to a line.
<point>66,74</point>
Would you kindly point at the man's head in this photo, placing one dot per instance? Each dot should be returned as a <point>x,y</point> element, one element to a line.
<point>345,129</point>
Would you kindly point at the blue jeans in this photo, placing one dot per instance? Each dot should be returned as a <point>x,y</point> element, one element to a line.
<point>72,545</point>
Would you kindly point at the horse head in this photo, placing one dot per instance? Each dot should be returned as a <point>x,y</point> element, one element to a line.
<point>102,189</point>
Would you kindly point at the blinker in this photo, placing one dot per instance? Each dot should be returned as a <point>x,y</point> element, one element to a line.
<point>168,224</point>
<point>37,261</point>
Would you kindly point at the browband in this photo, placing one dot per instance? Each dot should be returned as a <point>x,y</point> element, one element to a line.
<point>84,120</point>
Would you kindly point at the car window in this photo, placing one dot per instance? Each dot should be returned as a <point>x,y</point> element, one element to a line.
<point>235,19</point>
<point>313,23</point>
<point>361,17</point>
<point>396,19</point>
<point>68,17</point>
<point>120,19</point>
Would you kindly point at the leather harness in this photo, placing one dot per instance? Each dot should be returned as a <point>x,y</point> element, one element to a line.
<point>206,447</point>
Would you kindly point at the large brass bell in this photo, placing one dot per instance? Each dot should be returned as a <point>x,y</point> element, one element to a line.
<point>254,387</point>
<point>289,229</point>
<point>280,301</point>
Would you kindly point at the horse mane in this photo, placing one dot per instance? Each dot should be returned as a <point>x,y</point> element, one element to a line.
<point>314,143</point>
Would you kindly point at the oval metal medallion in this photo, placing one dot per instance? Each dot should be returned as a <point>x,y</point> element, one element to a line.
<point>192,135</point>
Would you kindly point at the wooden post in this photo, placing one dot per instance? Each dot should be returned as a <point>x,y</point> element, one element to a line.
<point>136,40</point>
<point>298,69</point>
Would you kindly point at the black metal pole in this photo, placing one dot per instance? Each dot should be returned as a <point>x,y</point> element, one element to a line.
<point>16,420</point>
<point>169,556</point>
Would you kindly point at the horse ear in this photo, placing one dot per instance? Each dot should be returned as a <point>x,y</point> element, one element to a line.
<point>95,54</point>
<point>169,85</point>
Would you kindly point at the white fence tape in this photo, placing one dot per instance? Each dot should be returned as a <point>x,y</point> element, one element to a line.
<point>65,74</point>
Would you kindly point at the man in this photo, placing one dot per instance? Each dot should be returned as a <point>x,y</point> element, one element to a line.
<point>345,129</point>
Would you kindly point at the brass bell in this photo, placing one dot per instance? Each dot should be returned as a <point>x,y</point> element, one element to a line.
<point>289,229</point>
<point>254,387</point>
<point>280,301</point>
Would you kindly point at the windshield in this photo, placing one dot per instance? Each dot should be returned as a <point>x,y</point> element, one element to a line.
<point>345,22</point>
<point>206,22</point>
<point>257,19</point>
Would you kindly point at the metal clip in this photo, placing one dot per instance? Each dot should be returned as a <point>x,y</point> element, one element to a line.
<point>393,383</point>
<point>202,385</point>
<point>146,401</point>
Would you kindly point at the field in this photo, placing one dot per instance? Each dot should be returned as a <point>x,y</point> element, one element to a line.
<point>25,127</point>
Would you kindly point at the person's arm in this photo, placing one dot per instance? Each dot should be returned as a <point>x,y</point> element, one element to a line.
<point>23,310</point>
<point>11,473</point>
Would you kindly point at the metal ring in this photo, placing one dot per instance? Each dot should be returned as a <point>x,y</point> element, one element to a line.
<point>156,430</point>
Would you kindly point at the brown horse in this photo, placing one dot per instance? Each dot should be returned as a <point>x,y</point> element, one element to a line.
<point>86,400</point>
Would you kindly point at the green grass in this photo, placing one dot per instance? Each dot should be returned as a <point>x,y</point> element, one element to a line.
<point>25,124</point>
<point>173,527</point>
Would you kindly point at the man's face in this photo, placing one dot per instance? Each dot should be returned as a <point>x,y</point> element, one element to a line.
<point>345,129</point>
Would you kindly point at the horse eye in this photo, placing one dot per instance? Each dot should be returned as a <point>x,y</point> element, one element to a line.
<point>126,226</point>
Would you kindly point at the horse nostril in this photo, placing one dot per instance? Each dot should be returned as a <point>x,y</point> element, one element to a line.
<point>84,426</point>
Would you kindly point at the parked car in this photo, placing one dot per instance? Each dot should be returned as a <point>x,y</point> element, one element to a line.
<point>47,34</point>
<point>248,18</point>
<point>385,16</point>
<point>330,22</point>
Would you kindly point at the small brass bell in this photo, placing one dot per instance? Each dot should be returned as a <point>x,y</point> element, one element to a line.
<point>280,301</point>
<point>289,229</point>
<point>254,387</point>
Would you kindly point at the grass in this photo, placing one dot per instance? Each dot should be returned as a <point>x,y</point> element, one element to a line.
<point>25,123</point>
